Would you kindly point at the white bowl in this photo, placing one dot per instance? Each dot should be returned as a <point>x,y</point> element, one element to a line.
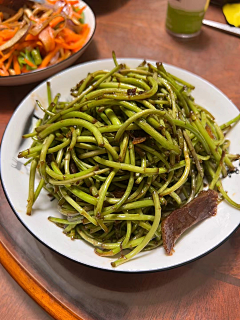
<point>195,243</point>
<point>41,74</point>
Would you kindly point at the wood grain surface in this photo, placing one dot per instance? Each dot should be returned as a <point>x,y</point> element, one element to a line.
<point>208,288</point>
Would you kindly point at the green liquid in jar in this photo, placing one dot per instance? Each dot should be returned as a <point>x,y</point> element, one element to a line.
<point>183,22</point>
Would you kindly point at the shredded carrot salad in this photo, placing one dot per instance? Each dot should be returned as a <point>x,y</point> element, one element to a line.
<point>38,35</point>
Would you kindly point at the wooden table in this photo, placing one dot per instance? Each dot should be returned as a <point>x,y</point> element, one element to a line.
<point>205,289</point>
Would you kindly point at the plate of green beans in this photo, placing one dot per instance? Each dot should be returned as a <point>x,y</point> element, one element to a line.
<point>94,159</point>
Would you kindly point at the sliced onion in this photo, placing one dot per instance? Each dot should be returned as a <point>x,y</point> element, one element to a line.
<point>28,12</point>
<point>16,17</point>
<point>16,38</point>
<point>39,8</point>
<point>38,28</point>
<point>72,26</point>
<point>47,14</point>
<point>47,38</point>
<point>55,32</point>
<point>12,72</point>
<point>54,59</point>
<point>75,21</point>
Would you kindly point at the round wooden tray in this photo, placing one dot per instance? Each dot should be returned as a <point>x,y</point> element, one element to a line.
<point>208,288</point>
<point>68,290</point>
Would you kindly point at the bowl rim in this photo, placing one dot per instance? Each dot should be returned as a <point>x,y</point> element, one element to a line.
<point>115,270</point>
<point>57,64</point>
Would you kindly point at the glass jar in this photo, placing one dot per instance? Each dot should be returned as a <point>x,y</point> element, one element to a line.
<point>184,17</point>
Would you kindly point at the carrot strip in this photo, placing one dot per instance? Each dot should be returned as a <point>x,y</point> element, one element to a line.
<point>7,55</point>
<point>9,62</point>
<point>32,65</point>
<point>3,73</point>
<point>69,35</point>
<point>25,44</point>
<point>16,65</point>
<point>24,69</point>
<point>76,15</point>
<point>59,41</point>
<point>79,11</point>
<point>72,2</point>
<point>52,1</point>
<point>55,22</point>
<point>78,44</point>
<point>59,10</point>
<point>48,57</point>
<point>30,37</point>
<point>7,34</point>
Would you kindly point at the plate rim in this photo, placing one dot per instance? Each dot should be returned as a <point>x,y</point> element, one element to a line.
<point>65,255</point>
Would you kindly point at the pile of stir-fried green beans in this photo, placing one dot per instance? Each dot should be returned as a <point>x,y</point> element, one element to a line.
<point>131,147</point>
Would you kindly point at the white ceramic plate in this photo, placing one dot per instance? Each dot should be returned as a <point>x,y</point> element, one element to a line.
<point>198,241</point>
<point>45,73</point>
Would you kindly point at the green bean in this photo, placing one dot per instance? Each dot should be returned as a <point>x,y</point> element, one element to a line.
<point>164,186</point>
<point>220,187</point>
<point>129,187</point>
<point>173,100</point>
<point>183,178</point>
<point>76,179</point>
<point>42,162</point>
<point>73,122</point>
<point>46,111</point>
<point>83,195</point>
<point>208,139</point>
<point>114,58</point>
<point>134,118</point>
<point>81,115</point>
<point>148,237</point>
<point>136,193</point>
<point>63,177</point>
<point>123,147</point>
<point>132,217</point>
<point>38,190</point>
<point>135,82</point>
<point>36,56</point>
<point>216,177</point>
<point>64,221</point>
<point>182,81</point>
<point>155,153</point>
<point>193,186</point>
<point>113,128</point>
<point>76,206</point>
<point>112,116</point>
<point>129,167</point>
<point>226,196</point>
<point>129,70</point>
<point>143,165</point>
<point>93,86</point>
<point>30,200</point>
<point>145,188</point>
<point>217,174</point>
<point>103,192</point>
<point>138,96</point>
<point>193,152</point>
<point>229,123</point>
<point>67,162</point>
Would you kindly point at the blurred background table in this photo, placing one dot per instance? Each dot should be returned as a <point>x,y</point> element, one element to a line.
<point>205,289</point>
